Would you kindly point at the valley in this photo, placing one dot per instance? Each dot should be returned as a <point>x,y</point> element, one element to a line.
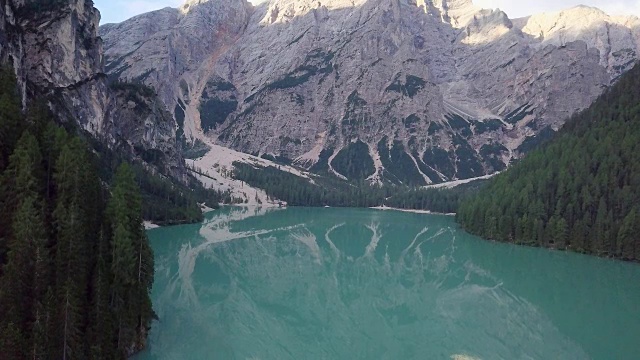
<point>341,179</point>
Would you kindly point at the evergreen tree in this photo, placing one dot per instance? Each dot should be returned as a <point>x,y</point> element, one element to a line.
<point>19,285</point>
<point>132,261</point>
<point>73,220</point>
<point>10,115</point>
<point>579,191</point>
<point>628,236</point>
<point>68,277</point>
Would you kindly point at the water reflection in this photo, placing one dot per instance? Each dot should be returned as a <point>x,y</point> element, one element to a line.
<point>342,284</point>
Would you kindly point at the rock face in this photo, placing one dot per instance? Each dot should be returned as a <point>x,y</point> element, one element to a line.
<point>425,90</point>
<point>57,55</point>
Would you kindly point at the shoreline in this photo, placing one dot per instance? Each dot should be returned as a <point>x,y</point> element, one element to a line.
<point>426,212</point>
<point>148,225</point>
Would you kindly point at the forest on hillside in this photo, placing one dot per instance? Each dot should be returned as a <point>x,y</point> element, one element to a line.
<point>323,191</point>
<point>579,192</point>
<point>76,267</point>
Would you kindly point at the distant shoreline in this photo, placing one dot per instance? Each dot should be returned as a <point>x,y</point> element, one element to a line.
<point>386,208</point>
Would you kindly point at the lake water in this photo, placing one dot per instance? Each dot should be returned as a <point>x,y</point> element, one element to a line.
<point>366,284</point>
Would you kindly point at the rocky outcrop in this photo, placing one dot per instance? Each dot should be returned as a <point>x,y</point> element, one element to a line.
<point>616,37</point>
<point>55,50</point>
<point>174,51</point>
<point>428,91</point>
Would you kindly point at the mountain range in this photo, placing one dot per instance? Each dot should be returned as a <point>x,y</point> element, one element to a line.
<point>382,91</point>
<point>394,91</point>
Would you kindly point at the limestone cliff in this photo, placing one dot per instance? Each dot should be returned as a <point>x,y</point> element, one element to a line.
<point>427,90</point>
<point>55,50</point>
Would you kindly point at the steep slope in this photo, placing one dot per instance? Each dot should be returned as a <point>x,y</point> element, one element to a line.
<point>580,191</point>
<point>58,57</point>
<point>617,37</point>
<point>435,90</point>
<point>174,51</point>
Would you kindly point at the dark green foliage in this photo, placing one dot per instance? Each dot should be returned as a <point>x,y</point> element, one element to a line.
<point>283,160</point>
<point>214,112</point>
<point>411,121</point>
<point>298,77</point>
<point>317,62</point>
<point>578,192</point>
<point>10,115</point>
<point>533,142</point>
<point>268,157</point>
<point>440,160</point>
<point>60,295</point>
<point>151,156</point>
<point>519,114</point>
<point>402,166</point>
<point>133,89</point>
<point>355,116</point>
<point>354,101</point>
<point>492,156</point>
<point>468,163</point>
<point>322,166</point>
<point>481,127</point>
<point>39,6</point>
<point>167,202</point>
<point>399,166</point>
<point>354,162</point>
<point>285,140</point>
<point>75,220</point>
<point>411,86</point>
<point>297,191</point>
<point>220,85</point>
<point>54,203</point>
<point>434,127</point>
<point>425,169</point>
<point>195,150</point>
<point>131,263</point>
<point>444,201</point>
<point>459,124</point>
<point>180,116</point>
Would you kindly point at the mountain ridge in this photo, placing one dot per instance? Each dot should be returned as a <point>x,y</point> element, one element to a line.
<point>436,90</point>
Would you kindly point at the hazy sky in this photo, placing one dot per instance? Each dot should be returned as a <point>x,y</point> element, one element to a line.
<point>119,10</point>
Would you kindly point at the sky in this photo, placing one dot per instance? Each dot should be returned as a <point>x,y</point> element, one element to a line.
<point>119,10</point>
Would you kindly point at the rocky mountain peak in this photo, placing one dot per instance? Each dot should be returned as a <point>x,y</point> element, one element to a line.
<point>427,91</point>
<point>456,12</point>
<point>616,37</point>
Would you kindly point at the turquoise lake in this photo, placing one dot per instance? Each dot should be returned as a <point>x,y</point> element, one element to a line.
<point>305,283</point>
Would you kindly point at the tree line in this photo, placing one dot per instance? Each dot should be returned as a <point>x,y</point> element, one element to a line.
<point>76,267</point>
<point>579,192</point>
<point>297,191</point>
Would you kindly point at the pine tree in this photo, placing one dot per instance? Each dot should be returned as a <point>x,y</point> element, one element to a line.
<point>101,325</point>
<point>132,261</point>
<point>27,237</point>
<point>583,198</point>
<point>10,115</point>
<point>73,227</point>
<point>628,235</point>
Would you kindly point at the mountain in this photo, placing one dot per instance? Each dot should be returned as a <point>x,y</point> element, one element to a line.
<point>57,55</point>
<point>413,92</point>
<point>580,191</point>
